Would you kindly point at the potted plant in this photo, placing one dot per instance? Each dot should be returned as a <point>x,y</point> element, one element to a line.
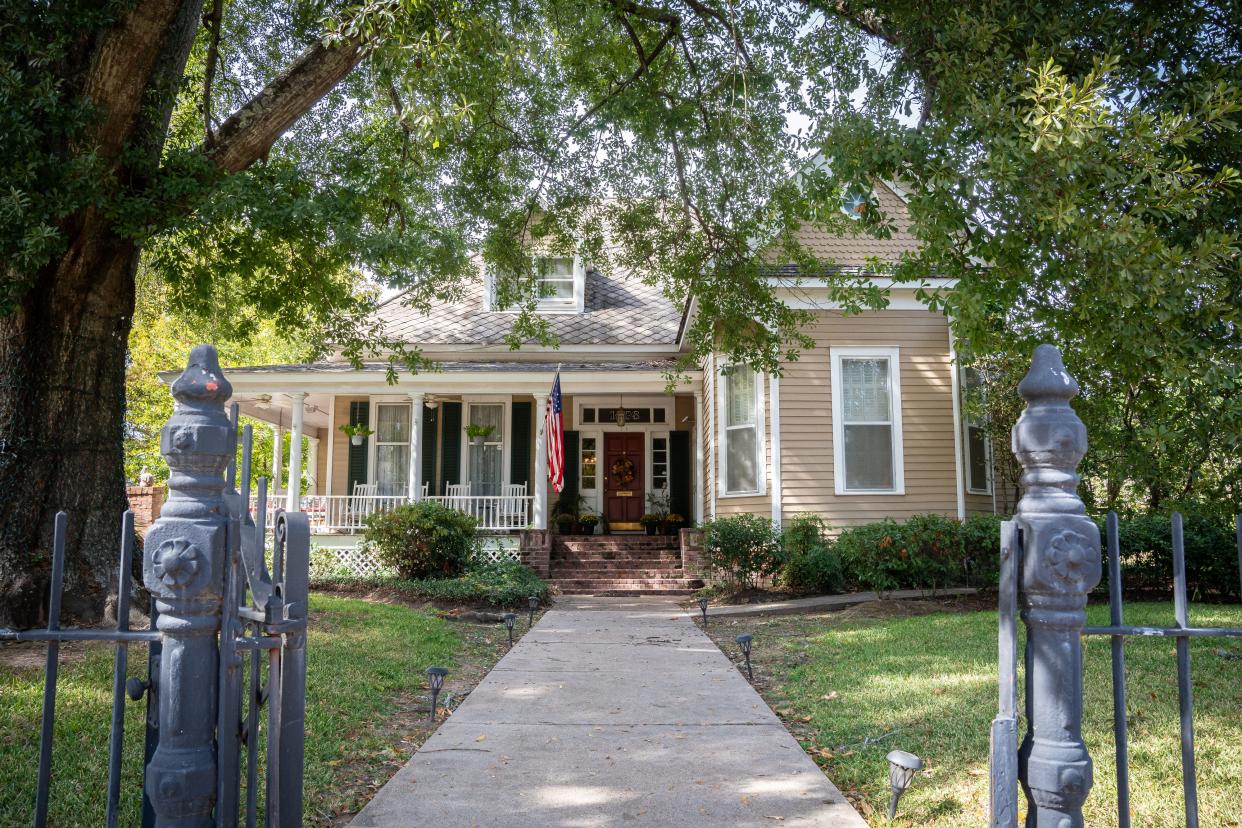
<point>479,433</point>
<point>357,434</point>
<point>650,522</point>
<point>673,522</point>
<point>587,522</point>
<point>565,523</point>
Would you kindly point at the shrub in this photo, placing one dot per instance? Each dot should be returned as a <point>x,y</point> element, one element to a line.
<point>924,552</point>
<point>981,549</point>
<point>872,555</point>
<point>741,549</point>
<point>422,540</point>
<point>811,562</point>
<point>1146,543</point>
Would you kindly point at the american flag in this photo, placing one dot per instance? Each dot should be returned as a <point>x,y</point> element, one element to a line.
<point>554,428</point>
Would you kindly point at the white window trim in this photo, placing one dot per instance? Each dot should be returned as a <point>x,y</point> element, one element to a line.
<point>373,424</point>
<point>893,355</point>
<point>722,480</point>
<point>631,401</point>
<point>652,436</point>
<point>507,437</point>
<point>968,423</point>
<point>598,437</point>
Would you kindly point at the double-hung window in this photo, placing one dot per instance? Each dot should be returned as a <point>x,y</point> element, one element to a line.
<point>741,430</point>
<point>392,448</point>
<point>559,283</point>
<point>866,421</point>
<point>978,445</point>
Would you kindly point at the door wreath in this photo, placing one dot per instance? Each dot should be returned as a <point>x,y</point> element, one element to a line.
<point>622,471</point>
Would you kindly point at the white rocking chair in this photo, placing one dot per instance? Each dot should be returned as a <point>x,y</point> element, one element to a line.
<point>361,503</point>
<point>513,506</point>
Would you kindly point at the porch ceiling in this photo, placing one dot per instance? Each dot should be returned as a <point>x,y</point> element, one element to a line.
<point>277,409</point>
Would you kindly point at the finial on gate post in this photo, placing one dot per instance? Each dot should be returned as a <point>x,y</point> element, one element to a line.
<point>1060,566</point>
<point>183,567</point>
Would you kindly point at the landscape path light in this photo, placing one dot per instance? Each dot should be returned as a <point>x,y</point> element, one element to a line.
<point>901,769</point>
<point>435,677</point>
<point>510,620</point>
<point>703,609</point>
<point>533,602</point>
<point>744,642</point>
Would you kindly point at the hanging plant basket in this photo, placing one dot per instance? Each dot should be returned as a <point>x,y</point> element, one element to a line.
<point>357,434</point>
<point>479,434</point>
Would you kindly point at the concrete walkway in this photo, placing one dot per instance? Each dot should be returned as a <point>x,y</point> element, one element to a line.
<point>611,712</point>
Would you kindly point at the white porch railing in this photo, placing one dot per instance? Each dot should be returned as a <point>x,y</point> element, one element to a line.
<point>348,513</point>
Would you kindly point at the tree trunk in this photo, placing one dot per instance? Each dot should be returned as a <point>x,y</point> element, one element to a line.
<point>62,353</point>
<point>62,403</point>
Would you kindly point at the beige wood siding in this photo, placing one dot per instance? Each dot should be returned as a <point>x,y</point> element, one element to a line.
<point>926,410</point>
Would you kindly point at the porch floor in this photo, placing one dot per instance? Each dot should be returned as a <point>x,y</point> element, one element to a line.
<point>611,712</point>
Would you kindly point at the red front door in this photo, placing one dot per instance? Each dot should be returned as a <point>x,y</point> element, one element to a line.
<point>623,478</point>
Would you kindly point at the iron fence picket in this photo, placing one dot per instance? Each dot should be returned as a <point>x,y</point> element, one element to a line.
<point>1185,693</point>
<point>151,742</point>
<point>120,667</point>
<point>51,670</point>
<point>1118,644</point>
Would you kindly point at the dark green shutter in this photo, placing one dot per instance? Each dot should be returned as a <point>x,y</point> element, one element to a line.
<point>359,414</point>
<point>679,473</point>
<point>519,454</point>
<point>450,445</point>
<point>571,463</point>
<point>429,449</point>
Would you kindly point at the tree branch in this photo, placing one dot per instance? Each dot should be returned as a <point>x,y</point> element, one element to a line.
<point>212,21</point>
<point>248,134</point>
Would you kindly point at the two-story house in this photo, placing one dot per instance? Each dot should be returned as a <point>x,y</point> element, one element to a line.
<point>866,425</point>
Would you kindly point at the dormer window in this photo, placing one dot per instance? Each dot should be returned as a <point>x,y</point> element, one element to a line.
<point>556,280</point>
<point>560,283</point>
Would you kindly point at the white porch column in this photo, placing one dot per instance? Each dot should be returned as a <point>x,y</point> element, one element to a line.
<point>540,516</point>
<point>416,445</point>
<point>278,438</point>
<point>331,443</point>
<point>293,501</point>
<point>774,392</point>
<point>699,472</point>
<point>312,465</point>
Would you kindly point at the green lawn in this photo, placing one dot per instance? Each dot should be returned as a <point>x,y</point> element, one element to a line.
<point>931,682</point>
<point>365,661</point>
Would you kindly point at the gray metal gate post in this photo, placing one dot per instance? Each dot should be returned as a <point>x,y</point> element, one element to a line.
<point>1060,564</point>
<point>183,567</point>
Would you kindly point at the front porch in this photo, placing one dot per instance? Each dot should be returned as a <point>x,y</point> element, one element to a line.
<point>472,437</point>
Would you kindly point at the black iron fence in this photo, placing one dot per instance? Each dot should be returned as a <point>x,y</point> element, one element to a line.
<point>226,641</point>
<point>1050,562</point>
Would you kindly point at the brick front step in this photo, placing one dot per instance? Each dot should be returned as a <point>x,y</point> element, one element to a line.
<point>596,585</point>
<point>611,569</point>
<point>577,574</point>
<point>622,558</point>
<point>589,543</point>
